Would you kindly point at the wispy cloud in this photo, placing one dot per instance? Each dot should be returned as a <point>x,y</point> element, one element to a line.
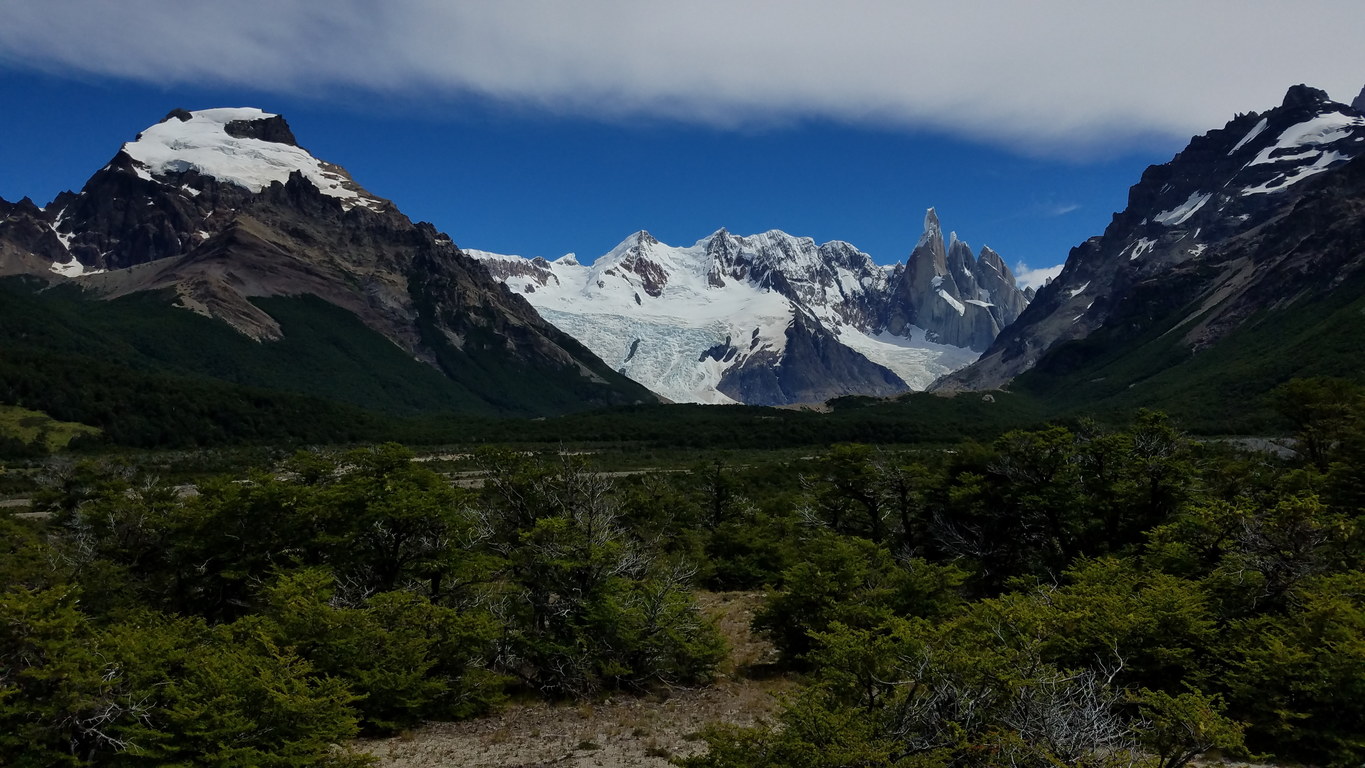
<point>1046,76</point>
<point>1061,209</point>
<point>1028,277</point>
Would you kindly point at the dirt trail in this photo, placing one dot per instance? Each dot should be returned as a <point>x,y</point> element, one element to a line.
<point>614,733</point>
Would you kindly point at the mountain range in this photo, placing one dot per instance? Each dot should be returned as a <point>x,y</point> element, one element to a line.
<point>222,214</point>
<point>218,274</point>
<point>773,319</point>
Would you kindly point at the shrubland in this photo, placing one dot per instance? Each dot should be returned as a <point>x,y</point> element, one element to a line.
<point>1069,595</point>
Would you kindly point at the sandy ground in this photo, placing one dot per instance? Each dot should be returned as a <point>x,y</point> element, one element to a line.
<point>613,733</point>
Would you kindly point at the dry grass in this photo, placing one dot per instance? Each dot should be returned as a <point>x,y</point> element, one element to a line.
<point>612,733</point>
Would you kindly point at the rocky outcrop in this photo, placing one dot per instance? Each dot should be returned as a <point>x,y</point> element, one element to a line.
<point>28,244</point>
<point>812,368</point>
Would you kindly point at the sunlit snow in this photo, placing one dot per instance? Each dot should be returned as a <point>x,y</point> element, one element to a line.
<point>73,268</point>
<point>952,302</point>
<point>1181,213</point>
<point>64,237</point>
<point>203,144</point>
<point>1140,247</point>
<point>1322,129</point>
<point>1284,181</point>
<point>913,358</point>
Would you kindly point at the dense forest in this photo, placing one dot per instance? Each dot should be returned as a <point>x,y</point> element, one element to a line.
<point>1078,594</point>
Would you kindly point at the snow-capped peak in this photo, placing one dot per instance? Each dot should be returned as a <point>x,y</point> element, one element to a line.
<point>221,143</point>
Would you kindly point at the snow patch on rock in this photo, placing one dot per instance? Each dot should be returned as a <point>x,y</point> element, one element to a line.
<point>1182,213</point>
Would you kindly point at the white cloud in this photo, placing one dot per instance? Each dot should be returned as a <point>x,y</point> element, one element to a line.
<point>1048,75</point>
<point>1026,277</point>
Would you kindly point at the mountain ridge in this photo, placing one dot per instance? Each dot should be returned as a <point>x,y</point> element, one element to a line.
<point>715,321</point>
<point>1253,221</point>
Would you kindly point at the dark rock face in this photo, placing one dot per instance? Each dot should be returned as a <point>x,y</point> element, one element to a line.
<point>28,244</point>
<point>120,219</point>
<point>653,277</point>
<point>814,368</point>
<point>1187,234</point>
<point>273,129</point>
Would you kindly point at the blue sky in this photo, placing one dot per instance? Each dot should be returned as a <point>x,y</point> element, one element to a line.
<point>523,127</point>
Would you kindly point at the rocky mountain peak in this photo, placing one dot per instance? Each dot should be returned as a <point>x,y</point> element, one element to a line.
<point>989,258</point>
<point>931,227</point>
<point>957,298</point>
<point>183,115</point>
<point>772,318</point>
<point>1304,96</point>
<point>1358,103</point>
<point>176,179</point>
<point>273,129</point>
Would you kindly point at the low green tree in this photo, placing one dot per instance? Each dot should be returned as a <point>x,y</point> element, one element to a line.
<point>229,696</point>
<point>1298,678</point>
<point>854,582</point>
<point>1177,729</point>
<point>588,606</point>
<point>60,701</point>
<point>405,658</point>
<point>1320,411</point>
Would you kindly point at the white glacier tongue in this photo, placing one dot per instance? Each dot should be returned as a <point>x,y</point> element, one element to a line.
<point>202,143</point>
